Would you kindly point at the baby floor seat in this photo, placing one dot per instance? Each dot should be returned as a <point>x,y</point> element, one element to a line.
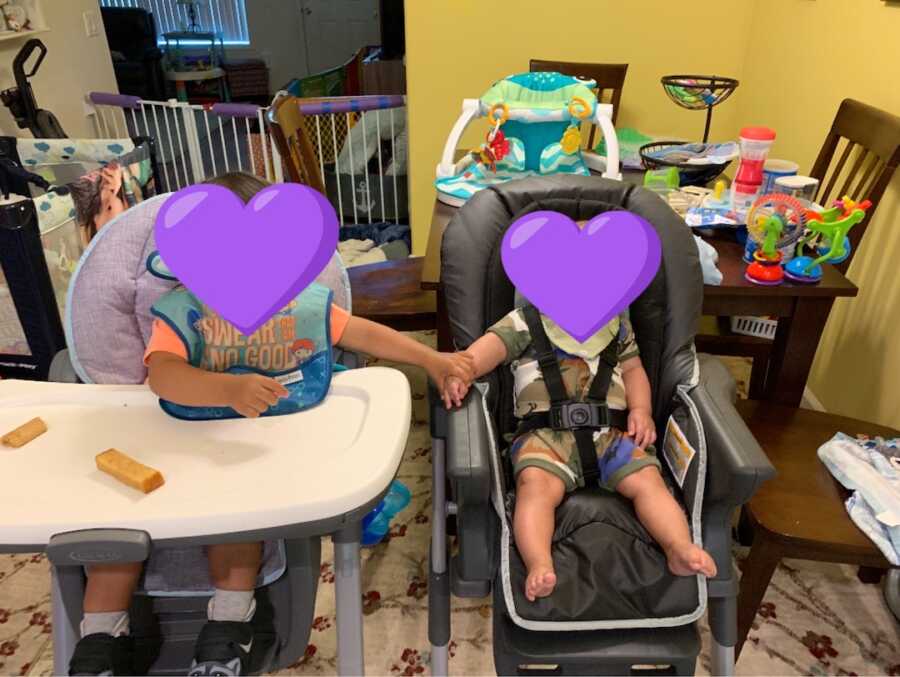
<point>534,130</point>
<point>615,604</point>
<point>107,324</point>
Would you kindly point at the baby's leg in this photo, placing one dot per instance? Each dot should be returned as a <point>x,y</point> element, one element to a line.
<point>226,641</point>
<point>105,645</point>
<point>664,519</point>
<point>110,587</point>
<point>538,492</point>
<point>233,568</point>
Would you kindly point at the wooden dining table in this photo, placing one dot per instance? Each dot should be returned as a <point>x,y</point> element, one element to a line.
<point>801,310</point>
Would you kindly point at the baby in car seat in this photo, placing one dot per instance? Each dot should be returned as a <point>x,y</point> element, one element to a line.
<point>225,642</point>
<point>555,376</point>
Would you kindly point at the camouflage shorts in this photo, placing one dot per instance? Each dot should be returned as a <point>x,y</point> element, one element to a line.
<point>557,452</point>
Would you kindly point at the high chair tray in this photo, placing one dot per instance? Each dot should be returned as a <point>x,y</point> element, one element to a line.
<point>231,476</point>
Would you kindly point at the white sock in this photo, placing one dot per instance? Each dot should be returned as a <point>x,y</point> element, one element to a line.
<point>113,623</point>
<point>232,605</point>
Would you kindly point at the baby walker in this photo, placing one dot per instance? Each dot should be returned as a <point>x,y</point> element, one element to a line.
<point>534,130</point>
<point>774,223</point>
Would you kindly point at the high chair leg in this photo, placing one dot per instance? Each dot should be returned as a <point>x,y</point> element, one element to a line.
<point>66,595</point>
<point>439,583</point>
<point>722,658</point>
<point>348,601</point>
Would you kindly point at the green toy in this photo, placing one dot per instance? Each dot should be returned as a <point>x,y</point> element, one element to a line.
<point>662,180</point>
<point>773,227</point>
<point>828,234</point>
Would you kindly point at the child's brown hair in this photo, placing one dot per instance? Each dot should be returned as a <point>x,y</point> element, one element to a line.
<point>244,185</point>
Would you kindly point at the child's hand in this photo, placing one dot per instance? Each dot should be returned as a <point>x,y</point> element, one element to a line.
<point>641,427</point>
<point>441,366</point>
<point>252,394</point>
<point>454,392</point>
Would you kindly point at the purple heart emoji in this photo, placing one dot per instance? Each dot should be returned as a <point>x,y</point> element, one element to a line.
<point>246,262</point>
<point>581,277</point>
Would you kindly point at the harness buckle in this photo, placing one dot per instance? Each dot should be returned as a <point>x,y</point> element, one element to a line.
<point>573,415</point>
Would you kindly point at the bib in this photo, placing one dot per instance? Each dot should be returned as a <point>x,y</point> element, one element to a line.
<point>293,347</point>
<point>586,350</point>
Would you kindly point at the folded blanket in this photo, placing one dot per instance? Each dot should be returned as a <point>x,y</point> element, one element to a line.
<point>360,252</point>
<point>871,469</point>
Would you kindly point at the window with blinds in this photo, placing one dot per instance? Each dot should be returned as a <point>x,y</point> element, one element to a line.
<point>225,17</point>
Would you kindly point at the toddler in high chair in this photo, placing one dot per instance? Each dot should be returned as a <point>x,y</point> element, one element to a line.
<point>550,368</point>
<point>225,642</point>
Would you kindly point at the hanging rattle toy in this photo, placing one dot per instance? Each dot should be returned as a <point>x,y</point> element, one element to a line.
<point>495,147</point>
<point>828,236</point>
<point>571,138</point>
<point>774,223</point>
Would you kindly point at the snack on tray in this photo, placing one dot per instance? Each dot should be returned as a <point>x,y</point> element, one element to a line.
<point>25,433</point>
<point>129,471</point>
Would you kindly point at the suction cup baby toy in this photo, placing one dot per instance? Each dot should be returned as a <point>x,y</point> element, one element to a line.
<point>774,223</point>
<point>534,130</point>
<point>828,236</point>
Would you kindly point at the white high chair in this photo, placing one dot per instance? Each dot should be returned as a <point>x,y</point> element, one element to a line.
<point>294,477</point>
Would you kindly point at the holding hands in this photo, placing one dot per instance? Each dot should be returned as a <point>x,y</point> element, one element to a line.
<point>449,371</point>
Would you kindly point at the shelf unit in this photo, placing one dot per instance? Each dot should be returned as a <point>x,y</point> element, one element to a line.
<point>35,11</point>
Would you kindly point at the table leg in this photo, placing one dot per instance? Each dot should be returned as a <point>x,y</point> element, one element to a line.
<point>444,337</point>
<point>757,572</point>
<point>348,601</point>
<point>66,597</point>
<point>796,341</point>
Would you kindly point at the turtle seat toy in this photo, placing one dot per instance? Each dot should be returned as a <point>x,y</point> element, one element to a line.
<point>534,130</point>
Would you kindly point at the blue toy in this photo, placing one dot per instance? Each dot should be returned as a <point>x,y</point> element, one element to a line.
<point>534,129</point>
<point>377,523</point>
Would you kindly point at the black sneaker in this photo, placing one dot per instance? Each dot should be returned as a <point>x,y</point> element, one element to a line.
<point>223,649</point>
<point>102,654</point>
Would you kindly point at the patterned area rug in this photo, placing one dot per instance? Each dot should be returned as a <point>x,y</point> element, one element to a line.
<point>817,619</point>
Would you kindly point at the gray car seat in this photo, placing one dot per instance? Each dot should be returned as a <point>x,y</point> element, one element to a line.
<point>616,606</point>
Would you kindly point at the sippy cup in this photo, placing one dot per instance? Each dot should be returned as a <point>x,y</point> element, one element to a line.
<point>755,145</point>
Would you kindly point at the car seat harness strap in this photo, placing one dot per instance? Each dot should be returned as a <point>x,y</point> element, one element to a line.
<point>581,417</point>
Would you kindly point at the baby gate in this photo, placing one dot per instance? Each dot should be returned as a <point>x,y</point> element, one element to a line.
<point>359,146</point>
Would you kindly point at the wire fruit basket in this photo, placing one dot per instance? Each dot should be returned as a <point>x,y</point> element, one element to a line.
<point>690,174</point>
<point>696,92</point>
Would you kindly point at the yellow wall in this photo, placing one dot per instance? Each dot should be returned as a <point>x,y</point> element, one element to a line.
<point>857,367</point>
<point>796,60</point>
<point>456,50</point>
<point>75,65</point>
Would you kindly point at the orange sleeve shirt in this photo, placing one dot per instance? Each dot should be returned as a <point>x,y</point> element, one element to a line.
<point>164,339</point>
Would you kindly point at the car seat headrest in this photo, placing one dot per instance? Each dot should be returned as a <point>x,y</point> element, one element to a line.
<point>107,315</point>
<point>478,292</point>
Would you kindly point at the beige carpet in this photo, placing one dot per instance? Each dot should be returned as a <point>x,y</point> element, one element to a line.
<point>816,620</point>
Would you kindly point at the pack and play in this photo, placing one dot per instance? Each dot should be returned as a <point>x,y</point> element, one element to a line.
<point>45,226</point>
<point>534,129</point>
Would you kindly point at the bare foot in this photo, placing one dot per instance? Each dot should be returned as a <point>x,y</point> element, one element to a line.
<point>540,582</point>
<point>687,559</point>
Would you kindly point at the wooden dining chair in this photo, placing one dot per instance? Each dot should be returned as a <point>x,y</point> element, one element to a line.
<point>869,139</point>
<point>858,159</point>
<point>388,292</point>
<point>286,124</point>
<point>610,79</point>
<point>800,514</point>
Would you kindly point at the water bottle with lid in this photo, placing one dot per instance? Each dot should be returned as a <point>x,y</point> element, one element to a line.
<point>377,523</point>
